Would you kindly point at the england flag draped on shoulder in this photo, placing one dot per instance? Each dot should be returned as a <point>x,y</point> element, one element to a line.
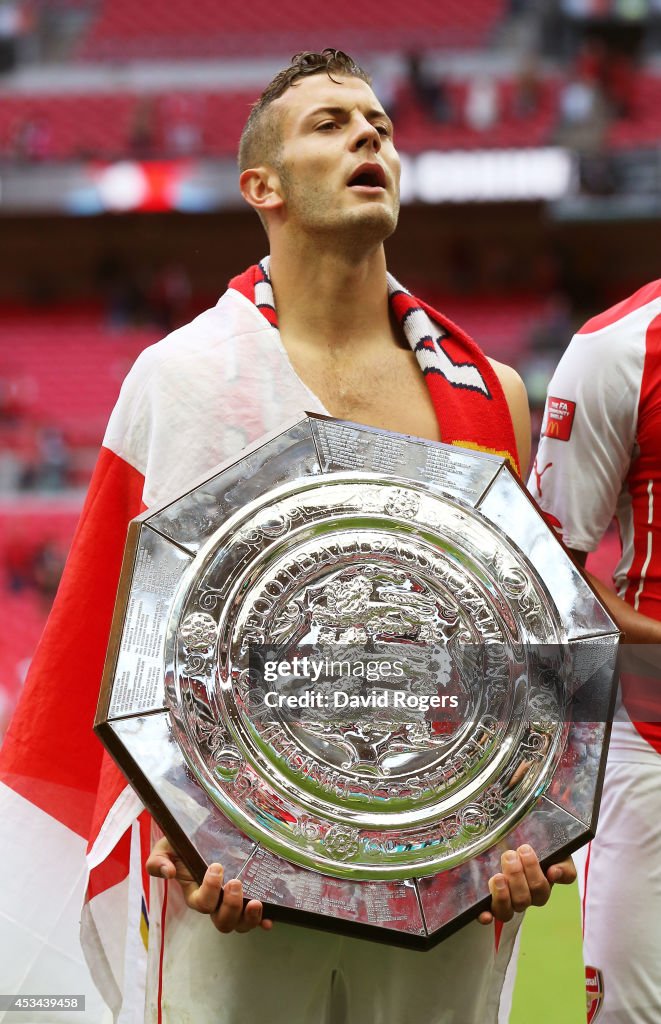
<point>72,832</point>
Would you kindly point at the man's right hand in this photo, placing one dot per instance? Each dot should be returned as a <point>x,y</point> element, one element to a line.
<point>230,915</point>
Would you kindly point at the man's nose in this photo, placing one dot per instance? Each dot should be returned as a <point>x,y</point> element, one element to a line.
<point>367,136</point>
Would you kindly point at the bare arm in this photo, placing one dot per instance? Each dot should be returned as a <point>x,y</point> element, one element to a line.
<point>517,400</point>
<point>637,628</point>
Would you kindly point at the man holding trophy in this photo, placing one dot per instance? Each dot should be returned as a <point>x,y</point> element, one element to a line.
<point>319,166</point>
<point>318,325</point>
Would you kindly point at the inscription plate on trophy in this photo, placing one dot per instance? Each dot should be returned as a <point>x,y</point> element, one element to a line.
<point>369,662</point>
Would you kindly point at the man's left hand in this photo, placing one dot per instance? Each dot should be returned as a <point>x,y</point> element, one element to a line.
<point>523,884</point>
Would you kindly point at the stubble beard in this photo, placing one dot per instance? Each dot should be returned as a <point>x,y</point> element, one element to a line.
<point>355,232</point>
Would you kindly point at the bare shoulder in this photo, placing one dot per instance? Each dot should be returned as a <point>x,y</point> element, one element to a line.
<point>517,400</point>
<point>512,384</point>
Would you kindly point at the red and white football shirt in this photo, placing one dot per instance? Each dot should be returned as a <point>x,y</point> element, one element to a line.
<point>600,455</point>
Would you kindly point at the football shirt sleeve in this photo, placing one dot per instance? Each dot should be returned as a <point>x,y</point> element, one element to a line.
<point>588,433</point>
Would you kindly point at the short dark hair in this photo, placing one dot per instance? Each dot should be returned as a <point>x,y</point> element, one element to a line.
<point>260,139</point>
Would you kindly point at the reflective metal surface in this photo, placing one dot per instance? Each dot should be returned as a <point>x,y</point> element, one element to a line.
<point>139,680</point>
<point>351,559</point>
<point>348,546</point>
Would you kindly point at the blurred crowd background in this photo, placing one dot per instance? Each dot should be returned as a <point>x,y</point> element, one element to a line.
<point>530,132</point>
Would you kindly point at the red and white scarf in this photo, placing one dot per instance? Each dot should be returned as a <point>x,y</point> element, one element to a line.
<point>468,398</point>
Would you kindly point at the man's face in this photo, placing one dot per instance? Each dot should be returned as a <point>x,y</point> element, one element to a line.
<point>337,165</point>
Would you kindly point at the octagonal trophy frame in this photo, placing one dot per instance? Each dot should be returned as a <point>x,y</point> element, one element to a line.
<point>387,828</point>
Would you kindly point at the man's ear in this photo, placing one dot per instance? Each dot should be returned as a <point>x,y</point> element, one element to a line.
<point>260,187</point>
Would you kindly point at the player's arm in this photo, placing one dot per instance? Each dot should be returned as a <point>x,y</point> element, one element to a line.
<point>580,471</point>
<point>223,904</point>
<point>517,400</point>
<point>636,628</point>
<point>588,434</point>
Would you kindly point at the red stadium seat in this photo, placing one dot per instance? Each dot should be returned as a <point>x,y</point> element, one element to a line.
<point>641,126</point>
<point>125,30</point>
<point>71,369</point>
<point>209,123</point>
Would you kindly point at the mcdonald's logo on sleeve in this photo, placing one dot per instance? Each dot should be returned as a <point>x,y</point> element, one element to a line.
<point>559,418</point>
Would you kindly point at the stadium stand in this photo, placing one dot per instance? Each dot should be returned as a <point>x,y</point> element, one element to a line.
<point>34,539</point>
<point>208,123</point>
<point>65,127</point>
<point>417,131</point>
<point>205,123</point>
<point>124,30</point>
<point>641,126</point>
<point>60,374</point>
<point>504,326</point>
<point>70,367</point>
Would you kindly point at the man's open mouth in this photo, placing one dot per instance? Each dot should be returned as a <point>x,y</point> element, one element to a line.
<point>368,175</point>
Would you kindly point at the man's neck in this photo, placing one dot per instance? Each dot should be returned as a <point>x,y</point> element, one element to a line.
<point>331,300</point>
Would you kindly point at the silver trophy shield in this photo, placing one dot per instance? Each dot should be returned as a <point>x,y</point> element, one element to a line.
<point>355,667</point>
